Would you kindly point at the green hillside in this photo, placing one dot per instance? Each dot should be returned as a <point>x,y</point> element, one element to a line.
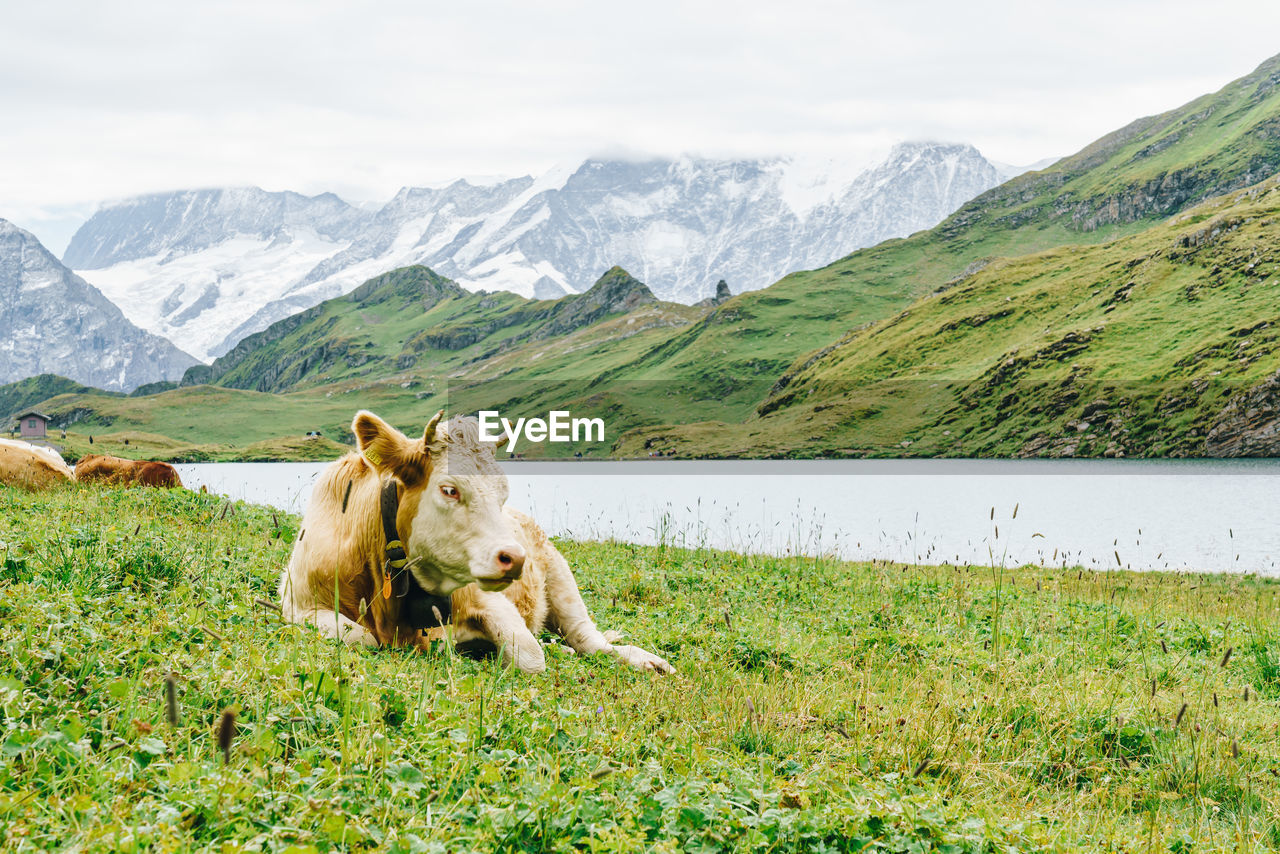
<point>416,323</point>
<point>404,344</point>
<point>25,394</point>
<point>1164,343</point>
<point>1121,184</point>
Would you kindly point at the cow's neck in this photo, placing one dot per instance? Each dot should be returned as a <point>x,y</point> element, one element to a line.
<point>421,608</point>
<point>432,579</point>
<point>420,589</point>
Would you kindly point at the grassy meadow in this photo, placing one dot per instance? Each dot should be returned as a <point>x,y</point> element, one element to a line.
<point>820,705</point>
<point>135,444</point>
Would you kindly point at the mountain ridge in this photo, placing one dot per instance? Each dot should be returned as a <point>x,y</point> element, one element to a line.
<point>190,220</point>
<point>54,322</point>
<point>435,320</point>
<point>680,225</point>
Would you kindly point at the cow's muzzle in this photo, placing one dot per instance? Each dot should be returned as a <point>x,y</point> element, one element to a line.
<point>505,566</point>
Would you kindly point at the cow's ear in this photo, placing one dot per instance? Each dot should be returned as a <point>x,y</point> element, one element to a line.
<point>387,449</point>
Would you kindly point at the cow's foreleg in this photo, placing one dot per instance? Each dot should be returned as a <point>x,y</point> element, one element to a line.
<point>301,603</point>
<point>493,618</point>
<point>334,625</point>
<point>568,615</point>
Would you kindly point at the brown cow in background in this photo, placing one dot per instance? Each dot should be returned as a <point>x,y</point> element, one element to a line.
<point>100,468</point>
<point>30,466</point>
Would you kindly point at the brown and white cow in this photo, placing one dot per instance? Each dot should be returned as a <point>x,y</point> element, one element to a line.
<point>507,581</point>
<point>102,468</point>
<point>31,466</point>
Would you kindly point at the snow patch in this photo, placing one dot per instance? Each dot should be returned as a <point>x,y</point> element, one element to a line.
<point>153,292</point>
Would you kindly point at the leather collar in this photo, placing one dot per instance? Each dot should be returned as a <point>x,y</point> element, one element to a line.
<point>418,608</point>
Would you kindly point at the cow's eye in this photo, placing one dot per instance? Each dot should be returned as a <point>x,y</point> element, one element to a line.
<point>449,492</point>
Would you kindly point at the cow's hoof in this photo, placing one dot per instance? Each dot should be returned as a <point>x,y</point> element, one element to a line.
<point>526,659</point>
<point>643,660</point>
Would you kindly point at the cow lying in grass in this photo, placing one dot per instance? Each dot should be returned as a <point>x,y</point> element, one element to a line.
<point>406,530</point>
<point>31,466</point>
<point>119,471</point>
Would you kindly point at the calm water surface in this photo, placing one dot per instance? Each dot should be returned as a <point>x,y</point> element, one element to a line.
<point>1207,515</point>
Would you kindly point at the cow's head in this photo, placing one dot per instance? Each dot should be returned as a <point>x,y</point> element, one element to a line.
<point>451,518</point>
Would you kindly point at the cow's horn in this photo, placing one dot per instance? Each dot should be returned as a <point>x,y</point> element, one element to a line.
<point>429,435</point>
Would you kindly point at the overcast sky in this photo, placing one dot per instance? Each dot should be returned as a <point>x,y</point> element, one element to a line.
<point>115,99</point>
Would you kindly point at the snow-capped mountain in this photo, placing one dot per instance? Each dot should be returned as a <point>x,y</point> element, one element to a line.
<point>171,225</point>
<point>54,322</point>
<point>206,268</point>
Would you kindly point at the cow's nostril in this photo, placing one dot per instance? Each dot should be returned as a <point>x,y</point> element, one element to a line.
<point>510,561</point>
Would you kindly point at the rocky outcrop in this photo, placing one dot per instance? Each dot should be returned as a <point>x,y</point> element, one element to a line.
<point>616,292</point>
<point>1249,425</point>
<point>721,295</point>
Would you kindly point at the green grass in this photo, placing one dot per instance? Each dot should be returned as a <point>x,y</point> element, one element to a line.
<point>206,423</point>
<point>132,444</point>
<point>820,705</point>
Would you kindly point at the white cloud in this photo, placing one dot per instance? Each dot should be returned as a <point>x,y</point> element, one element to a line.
<point>132,97</point>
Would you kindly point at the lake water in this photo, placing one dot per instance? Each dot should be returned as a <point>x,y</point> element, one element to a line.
<point>1196,514</point>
